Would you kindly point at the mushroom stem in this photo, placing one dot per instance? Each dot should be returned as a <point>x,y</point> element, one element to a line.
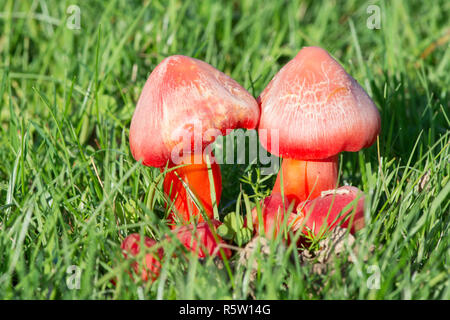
<point>194,177</point>
<point>303,180</point>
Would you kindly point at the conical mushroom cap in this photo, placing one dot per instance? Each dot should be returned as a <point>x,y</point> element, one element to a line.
<point>318,109</point>
<point>184,105</point>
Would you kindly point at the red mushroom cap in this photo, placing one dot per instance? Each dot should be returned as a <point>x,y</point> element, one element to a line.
<point>200,239</point>
<point>273,216</point>
<point>318,108</point>
<point>150,267</point>
<point>327,210</point>
<point>183,102</point>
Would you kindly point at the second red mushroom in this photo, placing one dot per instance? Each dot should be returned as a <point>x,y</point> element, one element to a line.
<point>318,110</point>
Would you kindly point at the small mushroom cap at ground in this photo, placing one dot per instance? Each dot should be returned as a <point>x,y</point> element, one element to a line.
<point>184,105</point>
<point>200,239</point>
<point>150,267</point>
<point>341,206</point>
<point>318,109</point>
<point>275,213</point>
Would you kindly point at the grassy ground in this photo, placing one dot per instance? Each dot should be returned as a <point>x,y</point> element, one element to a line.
<point>70,190</point>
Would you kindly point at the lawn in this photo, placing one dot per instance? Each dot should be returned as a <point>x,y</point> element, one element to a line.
<point>70,191</point>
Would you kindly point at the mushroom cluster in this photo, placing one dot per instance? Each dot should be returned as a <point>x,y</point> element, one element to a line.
<point>315,107</point>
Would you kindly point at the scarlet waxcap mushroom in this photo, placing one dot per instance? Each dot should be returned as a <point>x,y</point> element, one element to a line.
<point>273,213</point>
<point>327,211</point>
<point>150,267</point>
<point>200,239</point>
<point>319,110</point>
<point>343,206</point>
<point>185,104</point>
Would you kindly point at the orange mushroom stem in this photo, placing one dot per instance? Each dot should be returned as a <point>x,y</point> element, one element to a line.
<point>305,180</point>
<point>189,189</point>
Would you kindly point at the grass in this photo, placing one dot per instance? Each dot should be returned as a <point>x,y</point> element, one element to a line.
<point>70,190</point>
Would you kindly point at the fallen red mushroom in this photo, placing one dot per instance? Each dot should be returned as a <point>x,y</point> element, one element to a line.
<point>273,213</point>
<point>318,110</point>
<point>201,240</point>
<point>343,206</point>
<point>150,267</point>
<point>184,105</point>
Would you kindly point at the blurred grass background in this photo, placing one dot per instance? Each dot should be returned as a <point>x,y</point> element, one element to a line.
<point>70,190</point>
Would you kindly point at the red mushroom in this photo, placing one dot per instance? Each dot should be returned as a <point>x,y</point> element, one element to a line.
<point>150,267</point>
<point>184,105</point>
<point>343,206</point>
<point>273,213</point>
<point>201,240</point>
<point>319,111</point>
